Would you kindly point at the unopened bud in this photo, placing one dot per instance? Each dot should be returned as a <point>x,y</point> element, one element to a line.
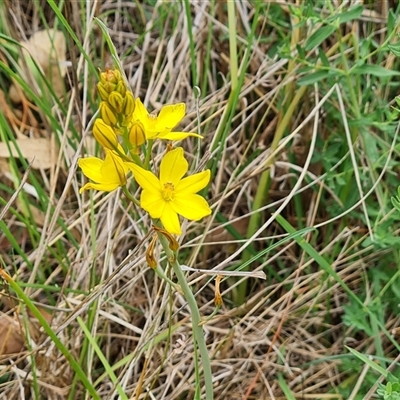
<point>107,114</point>
<point>110,76</point>
<point>121,88</point>
<point>105,135</point>
<point>137,136</point>
<point>129,104</point>
<point>110,80</point>
<point>116,101</point>
<point>103,93</point>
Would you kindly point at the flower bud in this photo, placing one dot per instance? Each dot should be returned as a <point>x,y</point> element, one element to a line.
<point>107,114</point>
<point>110,80</point>
<point>121,88</point>
<point>137,136</point>
<point>110,76</point>
<point>116,101</point>
<point>129,104</point>
<point>105,135</point>
<point>103,93</point>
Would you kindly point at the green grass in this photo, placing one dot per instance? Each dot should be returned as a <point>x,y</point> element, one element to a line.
<point>298,109</point>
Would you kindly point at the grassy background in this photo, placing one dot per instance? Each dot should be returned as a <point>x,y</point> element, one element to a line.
<point>296,102</point>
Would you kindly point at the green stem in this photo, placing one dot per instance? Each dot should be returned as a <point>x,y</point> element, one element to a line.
<point>160,272</point>
<point>233,59</point>
<point>130,197</point>
<point>198,334</point>
<point>148,153</point>
<point>191,43</point>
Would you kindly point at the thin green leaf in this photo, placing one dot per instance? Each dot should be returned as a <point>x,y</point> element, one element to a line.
<point>369,362</point>
<point>351,14</point>
<point>285,388</point>
<point>395,49</point>
<point>103,359</point>
<point>391,20</point>
<point>319,36</point>
<point>314,77</point>
<point>375,70</point>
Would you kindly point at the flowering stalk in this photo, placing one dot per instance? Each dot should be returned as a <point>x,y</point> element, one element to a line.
<point>124,130</point>
<point>197,326</point>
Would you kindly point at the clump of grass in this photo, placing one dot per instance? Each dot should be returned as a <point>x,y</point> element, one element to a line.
<point>303,149</point>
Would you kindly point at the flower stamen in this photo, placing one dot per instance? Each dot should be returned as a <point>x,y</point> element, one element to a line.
<point>168,191</point>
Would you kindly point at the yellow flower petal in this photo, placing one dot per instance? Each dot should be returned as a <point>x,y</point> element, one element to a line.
<point>170,116</point>
<point>193,183</point>
<point>153,203</point>
<point>177,135</point>
<point>107,175</point>
<point>90,167</point>
<point>113,169</point>
<point>173,167</point>
<point>104,187</point>
<point>141,113</point>
<point>146,179</point>
<point>170,220</point>
<point>191,206</point>
<point>159,127</point>
<point>170,196</point>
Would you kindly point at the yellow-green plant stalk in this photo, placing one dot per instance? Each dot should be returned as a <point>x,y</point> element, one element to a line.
<point>126,127</point>
<point>197,326</point>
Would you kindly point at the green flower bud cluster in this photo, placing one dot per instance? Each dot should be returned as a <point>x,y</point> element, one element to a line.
<point>118,104</point>
<point>117,115</point>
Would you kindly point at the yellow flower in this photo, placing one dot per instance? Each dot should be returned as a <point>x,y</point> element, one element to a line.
<point>108,174</point>
<point>160,126</point>
<point>172,194</point>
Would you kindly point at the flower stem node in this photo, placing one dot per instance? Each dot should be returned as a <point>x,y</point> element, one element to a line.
<point>171,195</point>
